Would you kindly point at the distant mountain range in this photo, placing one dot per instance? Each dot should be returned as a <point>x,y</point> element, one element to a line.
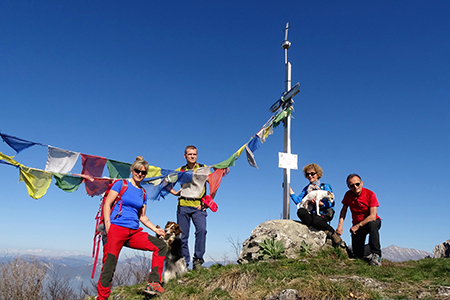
<point>79,268</point>
<point>397,254</point>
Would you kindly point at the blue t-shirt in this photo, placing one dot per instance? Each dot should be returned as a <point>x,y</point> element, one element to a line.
<point>132,202</point>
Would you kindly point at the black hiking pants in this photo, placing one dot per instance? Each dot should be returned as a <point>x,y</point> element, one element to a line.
<point>359,239</point>
<point>313,220</point>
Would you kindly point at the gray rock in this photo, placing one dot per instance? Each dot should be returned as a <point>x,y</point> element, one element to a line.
<point>423,294</point>
<point>288,294</point>
<point>444,291</point>
<point>369,283</point>
<point>290,232</point>
<point>442,250</point>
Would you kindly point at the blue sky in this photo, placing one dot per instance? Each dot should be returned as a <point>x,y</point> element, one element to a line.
<point>119,79</point>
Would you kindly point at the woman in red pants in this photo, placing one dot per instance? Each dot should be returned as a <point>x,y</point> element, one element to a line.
<point>122,227</point>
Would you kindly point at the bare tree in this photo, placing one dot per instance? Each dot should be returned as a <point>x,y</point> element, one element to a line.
<point>128,272</point>
<point>236,245</point>
<point>141,269</point>
<point>225,259</point>
<point>88,290</point>
<point>122,275</point>
<point>58,286</point>
<point>21,279</point>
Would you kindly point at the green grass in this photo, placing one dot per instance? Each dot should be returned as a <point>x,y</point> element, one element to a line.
<point>327,275</point>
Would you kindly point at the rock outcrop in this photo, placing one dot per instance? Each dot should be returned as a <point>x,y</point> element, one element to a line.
<point>290,232</point>
<point>442,250</point>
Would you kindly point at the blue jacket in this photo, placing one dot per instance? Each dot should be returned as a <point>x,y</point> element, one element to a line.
<point>326,203</point>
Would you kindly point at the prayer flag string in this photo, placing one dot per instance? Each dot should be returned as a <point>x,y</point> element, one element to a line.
<point>158,182</point>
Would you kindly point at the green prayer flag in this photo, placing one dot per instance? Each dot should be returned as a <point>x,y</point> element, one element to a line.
<point>67,183</point>
<point>281,116</point>
<point>227,163</point>
<point>118,169</point>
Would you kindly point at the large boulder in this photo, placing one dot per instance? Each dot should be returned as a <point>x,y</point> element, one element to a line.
<point>291,233</point>
<point>442,250</point>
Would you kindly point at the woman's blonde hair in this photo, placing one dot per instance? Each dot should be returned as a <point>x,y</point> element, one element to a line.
<point>314,167</point>
<point>138,163</point>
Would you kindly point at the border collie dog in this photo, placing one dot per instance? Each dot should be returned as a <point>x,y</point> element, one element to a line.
<point>175,264</point>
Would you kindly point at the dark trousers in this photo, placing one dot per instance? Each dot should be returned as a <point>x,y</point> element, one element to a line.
<point>117,237</point>
<point>313,220</point>
<point>359,239</point>
<point>184,216</point>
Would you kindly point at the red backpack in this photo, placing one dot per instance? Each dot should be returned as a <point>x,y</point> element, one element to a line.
<point>100,225</point>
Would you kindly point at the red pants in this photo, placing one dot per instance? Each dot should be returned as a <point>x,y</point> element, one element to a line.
<point>136,239</point>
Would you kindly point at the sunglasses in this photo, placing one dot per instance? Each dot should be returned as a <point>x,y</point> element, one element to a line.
<point>310,174</point>
<point>140,172</point>
<point>355,184</point>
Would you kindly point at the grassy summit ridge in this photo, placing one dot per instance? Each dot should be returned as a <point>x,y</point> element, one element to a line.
<point>327,275</point>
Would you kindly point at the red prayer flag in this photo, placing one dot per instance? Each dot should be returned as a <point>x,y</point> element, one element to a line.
<point>215,179</point>
<point>93,166</point>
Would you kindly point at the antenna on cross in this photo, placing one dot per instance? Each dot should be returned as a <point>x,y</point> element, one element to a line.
<point>286,31</point>
<point>286,44</point>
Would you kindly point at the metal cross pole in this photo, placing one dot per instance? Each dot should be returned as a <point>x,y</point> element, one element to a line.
<point>287,128</point>
<point>285,103</point>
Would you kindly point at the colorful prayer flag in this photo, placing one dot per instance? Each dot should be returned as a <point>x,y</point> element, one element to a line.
<point>60,160</point>
<point>215,179</point>
<point>93,166</point>
<point>226,163</point>
<point>254,143</point>
<point>98,186</point>
<point>159,187</point>
<point>118,169</point>
<point>36,181</point>
<point>239,152</point>
<point>195,188</point>
<point>9,159</point>
<point>281,116</point>
<point>16,143</point>
<point>153,172</point>
<point>66,182</point>
<point>250,157</point>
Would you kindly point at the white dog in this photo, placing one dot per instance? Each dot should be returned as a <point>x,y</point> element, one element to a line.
<point>174,263</point>
<point>318,195</point>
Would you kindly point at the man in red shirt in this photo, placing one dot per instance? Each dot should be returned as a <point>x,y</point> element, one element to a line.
<point>363,205</point>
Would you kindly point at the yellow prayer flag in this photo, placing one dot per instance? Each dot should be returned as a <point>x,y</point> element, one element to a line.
<point>153,172</point>
<point>268,131</point>
<point>9,159</point>
<point>239,152</point>
<point>36,181</point>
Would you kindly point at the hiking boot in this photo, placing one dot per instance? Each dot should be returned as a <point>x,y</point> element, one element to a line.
<point>154,288</point>
<point>337,241</point>
<point>375,260</point>
<point>197,264</point>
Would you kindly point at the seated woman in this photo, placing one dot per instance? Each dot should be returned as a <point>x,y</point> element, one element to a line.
<point>313,173</point>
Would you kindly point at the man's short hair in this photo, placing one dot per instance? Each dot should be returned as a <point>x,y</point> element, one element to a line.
<point>189,147</point>
<point>351,176</point>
